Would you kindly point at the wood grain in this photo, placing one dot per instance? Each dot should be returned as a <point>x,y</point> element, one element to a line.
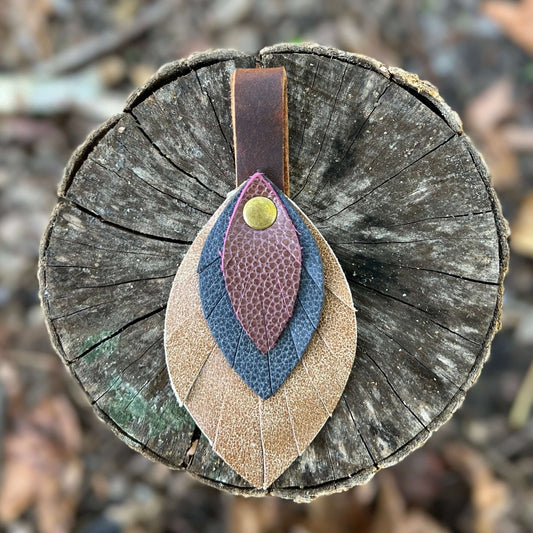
<point>381,166</point>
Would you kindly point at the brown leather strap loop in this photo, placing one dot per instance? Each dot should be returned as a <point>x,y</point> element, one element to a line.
<point>260,126</point>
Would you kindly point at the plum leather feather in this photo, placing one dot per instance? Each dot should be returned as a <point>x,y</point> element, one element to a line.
<point>262,372</point>
<point>261,268</point>
<point>259,438</point>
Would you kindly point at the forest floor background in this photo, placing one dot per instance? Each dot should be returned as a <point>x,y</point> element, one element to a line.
<point>67,65</point>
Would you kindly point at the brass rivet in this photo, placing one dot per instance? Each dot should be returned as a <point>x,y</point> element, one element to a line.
<point>259,212</point>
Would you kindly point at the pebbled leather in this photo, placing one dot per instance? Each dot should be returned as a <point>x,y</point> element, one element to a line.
<point>261,268</point>
<point>263,373</point>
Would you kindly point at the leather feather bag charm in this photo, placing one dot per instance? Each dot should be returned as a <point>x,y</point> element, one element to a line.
<point>260,330</point>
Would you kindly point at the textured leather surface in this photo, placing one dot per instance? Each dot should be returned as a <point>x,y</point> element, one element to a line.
<point>263,373</point>
<point>258,438</point>
<point>260,126</point>
<point>261,268</point>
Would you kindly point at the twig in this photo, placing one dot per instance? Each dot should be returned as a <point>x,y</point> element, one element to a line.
<point>43,95</point>
<point>100,45</point>
<point>521,407</point>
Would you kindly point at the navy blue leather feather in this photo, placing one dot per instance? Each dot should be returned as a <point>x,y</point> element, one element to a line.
<point>263,373</point>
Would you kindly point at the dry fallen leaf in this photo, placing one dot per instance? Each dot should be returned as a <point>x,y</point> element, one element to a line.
<point>491,107</point>
<point>420,522</point>
<point>254,515</point>
<point>519,138</point>
<point>336,513</point>
<point>30,23</point>
<point>515,18</point>
<point>139,74</point>
<point>341,513</point>
<point>392,515</point>
<point>489,496</point>
<point>484,117</point>
<point>390,506</point>
<point>522,227</point>
<point>42,467</point>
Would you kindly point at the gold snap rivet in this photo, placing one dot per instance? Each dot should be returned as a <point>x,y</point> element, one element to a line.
<point>259,212</point>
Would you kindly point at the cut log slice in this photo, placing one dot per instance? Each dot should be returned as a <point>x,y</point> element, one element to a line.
<point>380,165</point>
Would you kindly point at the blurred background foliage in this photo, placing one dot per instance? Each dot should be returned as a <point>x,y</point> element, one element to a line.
<point>65,66</point>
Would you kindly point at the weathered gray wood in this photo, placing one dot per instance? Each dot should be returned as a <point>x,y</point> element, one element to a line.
<point>381,165</point>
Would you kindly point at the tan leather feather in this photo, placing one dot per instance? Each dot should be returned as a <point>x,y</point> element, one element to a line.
<point>258,438</point>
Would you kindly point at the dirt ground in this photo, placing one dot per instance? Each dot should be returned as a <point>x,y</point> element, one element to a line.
<point>67,65</point>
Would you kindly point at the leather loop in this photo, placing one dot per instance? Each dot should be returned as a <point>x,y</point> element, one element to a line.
<point>260,125</point>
